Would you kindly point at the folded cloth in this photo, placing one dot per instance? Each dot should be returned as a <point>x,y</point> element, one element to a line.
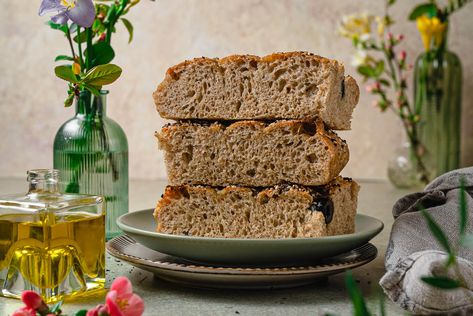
<point>413,252</point>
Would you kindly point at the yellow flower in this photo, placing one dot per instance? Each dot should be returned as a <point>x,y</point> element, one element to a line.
<point>431,30</point>
<point>381,25</point>
<point>354,26</point>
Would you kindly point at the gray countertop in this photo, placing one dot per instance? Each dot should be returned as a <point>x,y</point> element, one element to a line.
<point>162,298</point>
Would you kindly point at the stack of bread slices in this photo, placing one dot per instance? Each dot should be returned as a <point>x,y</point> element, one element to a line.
<point>253,154</point>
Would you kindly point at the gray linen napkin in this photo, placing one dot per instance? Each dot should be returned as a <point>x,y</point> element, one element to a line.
<point>413,252</point>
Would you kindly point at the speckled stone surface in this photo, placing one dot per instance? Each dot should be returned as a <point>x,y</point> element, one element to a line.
<point>325,296</point>
<point>170,31</point>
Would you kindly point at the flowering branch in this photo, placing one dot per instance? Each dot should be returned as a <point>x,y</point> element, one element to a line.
<point>120,301</point>
<point>99,22</point>
<point>378,61</point>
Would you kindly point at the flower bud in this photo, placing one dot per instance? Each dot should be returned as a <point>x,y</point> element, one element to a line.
<point>76,68</point>
<point>31,299</point>
<point>102,37</point>
<point>402,55</point>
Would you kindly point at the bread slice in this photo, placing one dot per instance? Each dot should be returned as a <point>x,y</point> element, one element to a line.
<point>296,85</point>
<point>252,153</point>
<point>282,211</point>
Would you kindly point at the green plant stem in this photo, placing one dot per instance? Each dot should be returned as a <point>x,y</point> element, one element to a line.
<point>90,49</point>
<point>409,127</point>
<point>69,39</point>
<point>109,33</point>
<point>81,60</point>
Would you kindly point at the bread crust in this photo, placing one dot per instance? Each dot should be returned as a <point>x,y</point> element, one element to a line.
<point>334,105</point>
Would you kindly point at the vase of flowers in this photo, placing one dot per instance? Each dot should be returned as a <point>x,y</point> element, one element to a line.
<point>437,87</point>
<point>90,149</point>
<point>383,64</point>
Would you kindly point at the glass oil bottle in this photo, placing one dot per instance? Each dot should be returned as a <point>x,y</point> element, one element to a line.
<point>51,243</point>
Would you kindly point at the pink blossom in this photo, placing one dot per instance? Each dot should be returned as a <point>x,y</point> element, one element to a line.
<point>99,310</point>
<point>31,299</point>
<point>374,87</point>
<point>390,36</point>
<point>24,311</point>
<point>121,301</point>
<point>402,55</point>
<point>400,37</point>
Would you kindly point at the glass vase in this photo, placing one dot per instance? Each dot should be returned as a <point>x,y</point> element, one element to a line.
<point>404,171</point>
<point>91,154</point>
<point>437,89</point>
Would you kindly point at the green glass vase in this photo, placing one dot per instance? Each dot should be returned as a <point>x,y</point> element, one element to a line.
<point>437,89</point>
<point>91,154</point>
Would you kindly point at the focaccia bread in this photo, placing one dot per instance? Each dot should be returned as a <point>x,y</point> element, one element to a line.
<point>296,85</point>
<point>252,153</point>
<point>283,211</point>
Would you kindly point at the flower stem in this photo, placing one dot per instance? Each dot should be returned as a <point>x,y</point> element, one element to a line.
<point>81,60</point>
<point>90,49</point>
<point>69,39</point>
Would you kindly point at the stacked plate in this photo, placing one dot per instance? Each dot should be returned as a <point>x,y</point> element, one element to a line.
<point>237,262</point>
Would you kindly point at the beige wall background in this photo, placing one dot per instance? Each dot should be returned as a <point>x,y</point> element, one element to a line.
<point>169,31</point>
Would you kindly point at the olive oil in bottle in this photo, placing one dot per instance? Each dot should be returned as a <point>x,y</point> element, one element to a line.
<point>51,243</point>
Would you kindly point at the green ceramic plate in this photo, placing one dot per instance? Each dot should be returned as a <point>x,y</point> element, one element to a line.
<point>141,226</point>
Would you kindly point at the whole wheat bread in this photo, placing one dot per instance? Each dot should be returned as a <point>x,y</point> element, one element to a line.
<point>279,212</point>
<point>296,85</point>
<point>252,153</point>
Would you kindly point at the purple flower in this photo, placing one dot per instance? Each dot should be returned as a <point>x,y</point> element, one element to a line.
<point>81,12</point>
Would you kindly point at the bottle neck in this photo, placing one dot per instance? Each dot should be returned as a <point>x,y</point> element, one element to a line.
<point>43,181</point>
<point>88,104</point>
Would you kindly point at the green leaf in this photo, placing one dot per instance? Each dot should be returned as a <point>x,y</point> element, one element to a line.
<point>63,57</point>
<point>69,100</point>
<point>359,304</point>
<point>82,312</point>
<point>463,208</point>
<point>366,71</point>
<point>438,233</point>
<point>56,307</point>
<point>444,283</point>
<point>95,90</point>
<point>103,54</point>
<point>102,75</point>
<point>65,73</point>
<point>378,70</point>
<point>428,9</point>
<point>55,26</point>
<point>129,27</point>
<point>391,2</point>
<point>81,39</point>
